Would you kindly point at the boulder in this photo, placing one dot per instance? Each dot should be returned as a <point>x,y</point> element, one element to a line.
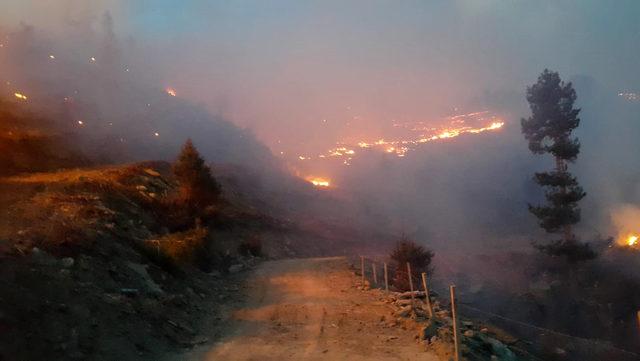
<point>403,302</point>
<point>42,258</point>
<point>501,350</point>
<point>416,294</point>
<point>403,312</point>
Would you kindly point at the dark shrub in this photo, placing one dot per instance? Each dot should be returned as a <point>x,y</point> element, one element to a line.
<point>407,250</point>
<point>181,248</point>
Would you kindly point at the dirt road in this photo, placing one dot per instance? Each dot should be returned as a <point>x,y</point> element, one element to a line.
<point>309,309</point>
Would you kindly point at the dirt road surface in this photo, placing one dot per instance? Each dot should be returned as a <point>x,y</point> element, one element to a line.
<point>310,309</point>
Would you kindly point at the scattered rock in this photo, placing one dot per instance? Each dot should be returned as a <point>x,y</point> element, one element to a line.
<point>428,331</point>
<point>199,340</point>
<point>129,291</point>
<point>403,312</point>
<point>41,257</point>
<point>403,302</point>
<point>235,268</point>
<point>150,285</point>
<point>78,355</point>
<point>500,350</point>
<point>215,274</point>
<point>67,262</point>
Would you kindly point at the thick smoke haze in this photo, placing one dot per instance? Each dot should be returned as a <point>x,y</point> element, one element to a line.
<point>302,76</point>
<point>280,67</point>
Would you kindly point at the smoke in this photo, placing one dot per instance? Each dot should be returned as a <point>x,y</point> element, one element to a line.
<point>300,76</point>
<point>281,67</point>
<point>101,93</point>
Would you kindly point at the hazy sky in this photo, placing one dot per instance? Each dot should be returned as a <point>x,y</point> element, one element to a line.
<point>305,74</point>
<point>280,67</point>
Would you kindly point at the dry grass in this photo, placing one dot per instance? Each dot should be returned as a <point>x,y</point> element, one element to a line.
<point>191,247</point>
<point>75,207</point>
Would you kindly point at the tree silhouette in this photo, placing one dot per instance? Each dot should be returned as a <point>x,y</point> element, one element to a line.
<point>198,188</point>
<point>548,130</point>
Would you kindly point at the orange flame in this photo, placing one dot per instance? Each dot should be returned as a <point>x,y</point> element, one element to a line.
<point>171,92</point>
<point>319,182</point>
<point>400,147</point>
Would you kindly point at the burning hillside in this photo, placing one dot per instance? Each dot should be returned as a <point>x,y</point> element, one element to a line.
<point>401,139</point>
<point>407,136</point>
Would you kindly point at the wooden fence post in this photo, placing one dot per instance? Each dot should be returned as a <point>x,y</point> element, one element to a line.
<point>410,285</point>
<point>454,319</point>
<point>375,275</point>
<point>362,269</point>
<point>426,294</point>
<point>386,278</point>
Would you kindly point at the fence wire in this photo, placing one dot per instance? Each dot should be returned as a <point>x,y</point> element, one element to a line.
<point>392,267</point>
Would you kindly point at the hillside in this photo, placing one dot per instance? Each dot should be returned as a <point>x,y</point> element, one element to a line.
<point>92,263</point>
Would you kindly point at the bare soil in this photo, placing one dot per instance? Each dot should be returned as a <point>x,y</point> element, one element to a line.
<point>309,309</point>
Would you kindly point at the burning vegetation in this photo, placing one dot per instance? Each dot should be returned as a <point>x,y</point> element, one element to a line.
<point>319,182</point>
<point>631,240</point>
<point>412,135</point>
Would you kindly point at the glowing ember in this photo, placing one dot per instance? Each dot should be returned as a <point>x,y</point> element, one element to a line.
<point>156,134</point>
<point>632,240</point>
<point>171,92</point>
<point>80,122</point>
<point>52,56</point>
<point>319,182</point>
<point>93,60</point>
<point>20,96</point>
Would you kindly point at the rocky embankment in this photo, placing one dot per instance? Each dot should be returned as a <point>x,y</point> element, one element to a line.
<point>478,341</point>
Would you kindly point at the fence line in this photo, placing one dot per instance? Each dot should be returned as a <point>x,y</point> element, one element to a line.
<point>504,318</point>
<point>521,323</point>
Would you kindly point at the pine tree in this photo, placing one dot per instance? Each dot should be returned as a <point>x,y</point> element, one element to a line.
<point>197,186</point>
<point>548,130</point>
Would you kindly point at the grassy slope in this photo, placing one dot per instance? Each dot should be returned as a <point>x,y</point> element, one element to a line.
<point>78,277</point>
